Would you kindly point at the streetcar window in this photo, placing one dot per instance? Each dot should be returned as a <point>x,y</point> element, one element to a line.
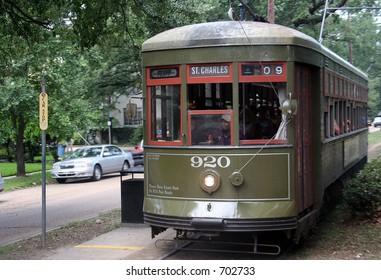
<point>210,127</point>
<point>345,105</point>
<point>260,115</point>
<point>210,96</point>
<point>209,112</point>
<point>165,112</point>
<point>343,116</point>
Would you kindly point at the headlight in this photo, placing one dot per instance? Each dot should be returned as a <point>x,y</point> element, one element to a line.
<point>83,165</point>
<point>210,181</point>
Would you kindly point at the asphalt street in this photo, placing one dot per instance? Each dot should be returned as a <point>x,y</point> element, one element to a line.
<point>21,210</point>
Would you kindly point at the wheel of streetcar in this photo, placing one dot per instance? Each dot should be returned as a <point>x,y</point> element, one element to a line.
<point>97,175</point>
<point>61,180</point>
<point>126,165</point>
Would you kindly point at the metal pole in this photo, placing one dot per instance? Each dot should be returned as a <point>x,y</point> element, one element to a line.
<point>241,12</point>
<point>109,123</point>
<point>323,21</point>
<point>43,235</point>
<point>350,40</point>
<point>271,11</point>
<point>339,8</point>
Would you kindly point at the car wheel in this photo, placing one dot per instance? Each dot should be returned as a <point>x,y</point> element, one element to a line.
<point>97,175</point>
<point>126,165</point>
<point>61,180</point>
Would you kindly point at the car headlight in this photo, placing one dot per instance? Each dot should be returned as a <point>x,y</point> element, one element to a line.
<point>210,181</point>
<point>83,165</point>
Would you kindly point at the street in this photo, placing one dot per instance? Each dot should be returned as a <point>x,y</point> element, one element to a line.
<point>21,210</point>
<point>373,129</point>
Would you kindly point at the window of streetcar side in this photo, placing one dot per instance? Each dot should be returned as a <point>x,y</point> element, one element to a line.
<point>345,104</point>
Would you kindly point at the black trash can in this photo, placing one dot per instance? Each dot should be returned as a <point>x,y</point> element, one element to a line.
<point>132,192</point>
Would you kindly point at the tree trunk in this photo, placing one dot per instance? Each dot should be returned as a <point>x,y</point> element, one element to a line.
<point>20,159</point>
<point>10,150</point>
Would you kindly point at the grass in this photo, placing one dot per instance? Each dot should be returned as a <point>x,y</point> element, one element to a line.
<point>374,138</point>
<point>34,179</point>
<point>10,168</point>
<point>340,236</point>
<point>33,170</point>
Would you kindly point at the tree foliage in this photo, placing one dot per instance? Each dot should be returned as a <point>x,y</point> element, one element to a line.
<point>363,194</point>
<point>89,52</point>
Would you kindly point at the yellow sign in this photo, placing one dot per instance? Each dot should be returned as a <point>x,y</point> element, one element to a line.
<point>43,111</point>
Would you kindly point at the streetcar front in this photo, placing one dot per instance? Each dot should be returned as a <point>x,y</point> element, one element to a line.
<point>219,144</point>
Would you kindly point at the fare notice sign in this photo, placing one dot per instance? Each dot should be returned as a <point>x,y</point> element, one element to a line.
<point>43,111</point>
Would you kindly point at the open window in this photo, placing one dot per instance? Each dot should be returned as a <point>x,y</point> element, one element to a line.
<point>260,118</point>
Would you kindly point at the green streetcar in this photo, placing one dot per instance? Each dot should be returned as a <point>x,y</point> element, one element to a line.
<point>247,127</point>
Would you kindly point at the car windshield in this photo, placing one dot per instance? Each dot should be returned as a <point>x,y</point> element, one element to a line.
<point>86,152</point>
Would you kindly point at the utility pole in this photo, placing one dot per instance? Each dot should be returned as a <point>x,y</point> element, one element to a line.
<point>109,122</point>
<point>271,11</point>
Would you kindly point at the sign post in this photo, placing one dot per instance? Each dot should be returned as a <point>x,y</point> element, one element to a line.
<point>43,126</point>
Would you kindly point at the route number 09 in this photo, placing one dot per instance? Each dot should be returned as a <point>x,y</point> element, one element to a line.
<point>268,70</point>
<point>210,161</point>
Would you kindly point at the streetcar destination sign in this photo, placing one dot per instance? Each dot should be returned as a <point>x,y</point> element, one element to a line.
<point>209,70</point>
<point>163,73</point>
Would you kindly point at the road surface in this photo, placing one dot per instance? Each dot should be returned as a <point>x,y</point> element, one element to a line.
<point>21,210</point>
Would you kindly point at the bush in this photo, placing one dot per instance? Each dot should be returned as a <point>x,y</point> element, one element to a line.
<point>363,193</point>
<point>137,136</point>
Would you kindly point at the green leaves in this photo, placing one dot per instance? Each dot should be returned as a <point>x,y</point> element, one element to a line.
<point>363,194</point>
<point>90,51</point>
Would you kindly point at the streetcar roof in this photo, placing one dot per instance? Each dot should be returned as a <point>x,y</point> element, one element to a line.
<point>227,33</point>
<point>236,33</point>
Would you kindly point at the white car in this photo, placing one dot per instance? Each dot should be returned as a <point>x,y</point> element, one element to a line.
<point>92,162</point>
<point>377,121</point>
<point>1,183</point>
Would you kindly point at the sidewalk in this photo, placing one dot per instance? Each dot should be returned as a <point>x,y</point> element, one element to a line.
<point>130,241</point>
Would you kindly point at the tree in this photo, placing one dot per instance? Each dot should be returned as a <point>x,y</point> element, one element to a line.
<point>90,51</point>
<point>18,98</point>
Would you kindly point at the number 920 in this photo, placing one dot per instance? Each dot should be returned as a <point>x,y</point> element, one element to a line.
<point>210,161</point>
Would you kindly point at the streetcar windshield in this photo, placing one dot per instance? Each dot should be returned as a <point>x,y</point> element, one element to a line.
<point>210,114</point>
<point>215,115</point>
<point>210,127</point>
